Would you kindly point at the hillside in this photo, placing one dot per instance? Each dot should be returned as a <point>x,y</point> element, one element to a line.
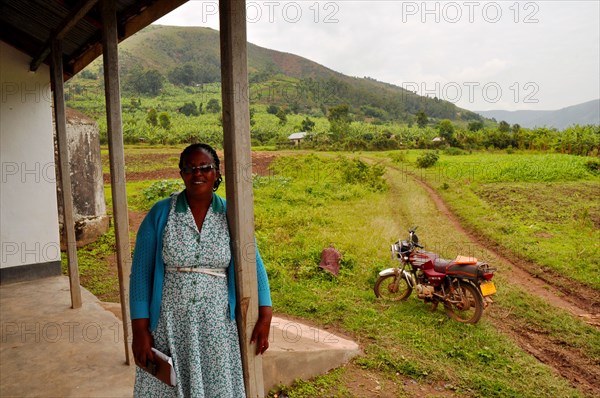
<point>282,79</point>
<point>582,114</point>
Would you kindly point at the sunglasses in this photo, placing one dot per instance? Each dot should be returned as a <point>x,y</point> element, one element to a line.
<point>203,168</point>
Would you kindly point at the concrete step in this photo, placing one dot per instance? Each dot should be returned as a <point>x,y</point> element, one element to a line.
<point>48,349</point>
<point>301,351</point>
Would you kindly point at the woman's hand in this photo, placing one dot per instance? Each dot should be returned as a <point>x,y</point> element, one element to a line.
<point>260,334</point>
<point>142,341</point>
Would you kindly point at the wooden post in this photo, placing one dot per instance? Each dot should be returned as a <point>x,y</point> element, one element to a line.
<point>238,179</point>
<point>117,159</point>
<point>64,170</point>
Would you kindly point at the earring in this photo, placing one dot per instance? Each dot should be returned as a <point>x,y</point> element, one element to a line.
<point>217,183</point>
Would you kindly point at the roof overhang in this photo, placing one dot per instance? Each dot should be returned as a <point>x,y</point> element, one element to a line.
<point>32,25</point>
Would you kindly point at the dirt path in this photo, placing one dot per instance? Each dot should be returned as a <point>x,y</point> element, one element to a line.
<point>570,362</point>
<point>579,300</point>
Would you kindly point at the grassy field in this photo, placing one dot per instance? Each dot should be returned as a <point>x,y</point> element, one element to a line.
<point>405,340</point>
<point>310,202</point>
<point>542,207</point>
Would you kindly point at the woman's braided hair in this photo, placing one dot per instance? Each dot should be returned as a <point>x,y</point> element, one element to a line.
<point>208,149</point>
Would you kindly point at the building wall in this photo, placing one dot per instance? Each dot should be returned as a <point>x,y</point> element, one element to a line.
<point>87,184</point>
<point>29,234</point>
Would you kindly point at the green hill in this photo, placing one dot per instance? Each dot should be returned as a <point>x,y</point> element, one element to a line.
<point>189,56</point>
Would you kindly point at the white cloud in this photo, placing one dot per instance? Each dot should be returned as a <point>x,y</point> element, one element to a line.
<point>539,54</point>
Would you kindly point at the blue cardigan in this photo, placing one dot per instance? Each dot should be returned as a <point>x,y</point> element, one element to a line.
<point>148,269</point>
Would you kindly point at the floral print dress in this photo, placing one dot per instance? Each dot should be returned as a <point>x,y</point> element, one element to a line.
<point>194,327</point>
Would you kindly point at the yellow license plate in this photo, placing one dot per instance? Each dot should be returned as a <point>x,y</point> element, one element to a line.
<point>488,288</point>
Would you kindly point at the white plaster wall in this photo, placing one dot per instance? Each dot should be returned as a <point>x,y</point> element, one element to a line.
<point>28,213</point>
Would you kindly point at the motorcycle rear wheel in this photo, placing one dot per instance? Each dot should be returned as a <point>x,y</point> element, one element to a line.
<point>465,305</point>
<point>392,288</point>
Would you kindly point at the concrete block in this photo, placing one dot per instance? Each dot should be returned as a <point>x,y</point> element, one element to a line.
<point>300,351</point>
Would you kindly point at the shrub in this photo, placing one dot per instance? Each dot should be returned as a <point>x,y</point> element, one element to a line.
<point>453,151</point>
<point>189,109</point>
<point>213,106</point>
<point>398,157</point>
<point>88,74</point>
<point>428,159</point>
<point>593,165</point>
<point>358,172</point>
<point>160,190</point>
<point>164,120</point>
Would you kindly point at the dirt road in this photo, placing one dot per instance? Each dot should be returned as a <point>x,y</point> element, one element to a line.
<point>580,301</point>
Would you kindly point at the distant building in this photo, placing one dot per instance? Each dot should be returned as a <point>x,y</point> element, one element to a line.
<point>297,138</point>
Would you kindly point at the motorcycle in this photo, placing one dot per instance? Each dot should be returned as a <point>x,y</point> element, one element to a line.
<point>464,285</point>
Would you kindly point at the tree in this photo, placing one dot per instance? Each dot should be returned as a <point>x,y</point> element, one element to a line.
<point>88,74</point>
<point>372,111</point>
<point>339,120</point>
<point>164,120</point>
<point>152,117</point>
<point>422,119</point>
<point>446,131</point>
<point>295,107</point>
<point>504,127</point>
<point>307,125</point>
<point>475,125</point>
<point>189,109</point>
<point>282,116</point>
<point>190,74</point>
<point>135,103</point>
<point>186,75</point>
<point>148,82</point>
<point>213,106</point>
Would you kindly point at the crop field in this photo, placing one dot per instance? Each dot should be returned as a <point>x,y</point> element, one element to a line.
<point>540,208</point>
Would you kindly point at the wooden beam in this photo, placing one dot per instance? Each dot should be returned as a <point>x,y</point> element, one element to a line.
<point>64,170</point>
<point>68,23</point>
<point>116,153</point>
<point>238,179</point>
<point>148,15</point>
<point>80,62</point>
<point>128,27</point>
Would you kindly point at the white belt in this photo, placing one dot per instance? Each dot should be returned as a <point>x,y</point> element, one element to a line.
<point>209,271</point>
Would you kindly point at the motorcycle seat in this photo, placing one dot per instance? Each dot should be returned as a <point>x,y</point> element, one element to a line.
<point>465,260</point>
<point>440,265</point>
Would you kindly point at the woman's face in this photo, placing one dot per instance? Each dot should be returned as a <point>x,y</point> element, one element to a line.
<point>197,174</point>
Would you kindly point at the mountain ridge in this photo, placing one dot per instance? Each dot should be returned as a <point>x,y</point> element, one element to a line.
<point>584,113</point>
<point>316,87</point>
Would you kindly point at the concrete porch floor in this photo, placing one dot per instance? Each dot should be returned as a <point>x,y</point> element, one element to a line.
<point>48,349</point>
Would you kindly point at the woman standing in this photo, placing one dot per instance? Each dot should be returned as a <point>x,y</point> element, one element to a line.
<point>182,289</point>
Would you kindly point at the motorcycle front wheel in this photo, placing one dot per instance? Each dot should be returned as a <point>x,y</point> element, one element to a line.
<point>392,288</point>
<point>464,303</point>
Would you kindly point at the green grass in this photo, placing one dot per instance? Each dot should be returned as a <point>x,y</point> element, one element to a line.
<point>401,338</point>
<point>327,385</point>
<point>538,206</point>
<point>96,272</point>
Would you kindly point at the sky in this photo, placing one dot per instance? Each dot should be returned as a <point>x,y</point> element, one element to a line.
<point>479,55</point>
